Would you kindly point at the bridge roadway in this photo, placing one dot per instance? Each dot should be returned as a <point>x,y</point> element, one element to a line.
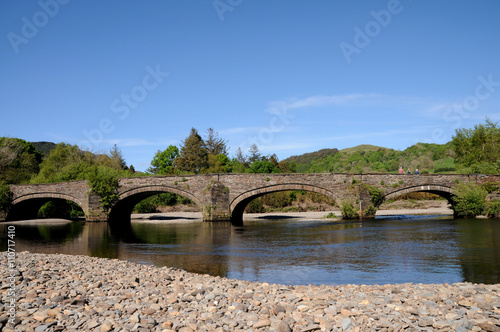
<point>223,197</point>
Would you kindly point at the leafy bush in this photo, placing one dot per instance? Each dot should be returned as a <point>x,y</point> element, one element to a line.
<point>19,160</point>
<point>370,211</point>
<point>491,186</point>
<point>5,196</point>
<point>421,195</point>
<point>277,200</point>
<point>263,166</point>
<point>493,209</point>
<point>477,149</point>
<point>104,182</point>
<point>376,195</point>
<point>348,210</point>
<point>469,200</point>
<point>151,204</point>
<point>444,169</point>
<point>60,209</point>
<point>146,206</point>
<point>255,206</point>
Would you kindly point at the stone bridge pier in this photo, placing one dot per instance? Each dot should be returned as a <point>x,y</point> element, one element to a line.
<point>223,197</point>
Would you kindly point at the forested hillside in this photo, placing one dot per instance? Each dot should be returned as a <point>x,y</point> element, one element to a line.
<point>428,158</point>
<point>44,147</point>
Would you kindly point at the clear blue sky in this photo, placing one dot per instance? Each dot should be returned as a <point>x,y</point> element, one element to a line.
<point>289,76</point>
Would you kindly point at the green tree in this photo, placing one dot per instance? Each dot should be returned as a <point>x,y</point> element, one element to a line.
<point>237,167</point>
<point>241,158</point>
<point>263,166</point>
<point>117,158</point>
<point>287,167</point>
<point>163,161</point>
<point>255,155</point>
<point>214,144</point>
<point>68,162</point>
<point>193,156</point>
<point>478,150</point>
<point>19,160</point>
<point>274,159</point>
<point>64,163</point>
<point>219,164</point>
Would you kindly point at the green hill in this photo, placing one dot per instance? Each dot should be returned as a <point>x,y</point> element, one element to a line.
<point>428,158</point>
<point>362,147</point>
<point>44,147</point>
<point>308,157</point>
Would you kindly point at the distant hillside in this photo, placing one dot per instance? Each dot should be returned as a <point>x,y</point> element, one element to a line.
<point>44,147</point>
<point>363,147</point>
<point>428,158</point>
<point>307,157</point>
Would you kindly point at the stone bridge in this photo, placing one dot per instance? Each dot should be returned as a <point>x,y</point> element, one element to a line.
<point>223,197</point>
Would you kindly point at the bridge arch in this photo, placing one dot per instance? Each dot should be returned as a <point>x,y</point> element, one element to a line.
<point>26,207</point>
<point>238,204</point>
<point>127,200</point>
<point>443,191</point>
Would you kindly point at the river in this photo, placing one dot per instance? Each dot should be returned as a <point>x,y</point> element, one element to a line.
<point>387,250</point>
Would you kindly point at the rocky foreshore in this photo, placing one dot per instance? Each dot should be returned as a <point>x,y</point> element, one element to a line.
<point>79,293</point>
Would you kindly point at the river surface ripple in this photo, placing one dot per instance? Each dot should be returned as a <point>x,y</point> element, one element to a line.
<point>387,250</point>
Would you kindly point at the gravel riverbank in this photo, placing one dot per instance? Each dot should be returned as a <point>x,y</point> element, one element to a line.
<point>79,293</point>
<point>423,208</point>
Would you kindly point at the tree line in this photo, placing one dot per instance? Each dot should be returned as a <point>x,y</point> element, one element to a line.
<point>209,154</point>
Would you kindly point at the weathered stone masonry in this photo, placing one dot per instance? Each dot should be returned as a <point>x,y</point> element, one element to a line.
<point>224,196</point>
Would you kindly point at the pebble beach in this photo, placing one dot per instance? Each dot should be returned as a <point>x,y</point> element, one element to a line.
<point>79,293</point>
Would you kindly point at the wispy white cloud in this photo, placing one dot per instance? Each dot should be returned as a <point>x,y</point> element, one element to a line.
<point>436,109</point>
<point>417,104</point>
<point>319,101</point>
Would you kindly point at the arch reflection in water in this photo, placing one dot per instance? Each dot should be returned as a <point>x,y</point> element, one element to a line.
<point>290,251</point>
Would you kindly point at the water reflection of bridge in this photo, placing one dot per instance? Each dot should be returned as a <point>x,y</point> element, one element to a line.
<point>300,249</point>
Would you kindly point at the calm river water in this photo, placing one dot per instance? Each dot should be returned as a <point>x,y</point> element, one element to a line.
<point>402,249</point>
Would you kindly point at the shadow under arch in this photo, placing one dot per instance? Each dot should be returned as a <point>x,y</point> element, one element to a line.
<point>122,209</point>
<point>239,203</point>
<point>445,192</point>
<point>26,207</point>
